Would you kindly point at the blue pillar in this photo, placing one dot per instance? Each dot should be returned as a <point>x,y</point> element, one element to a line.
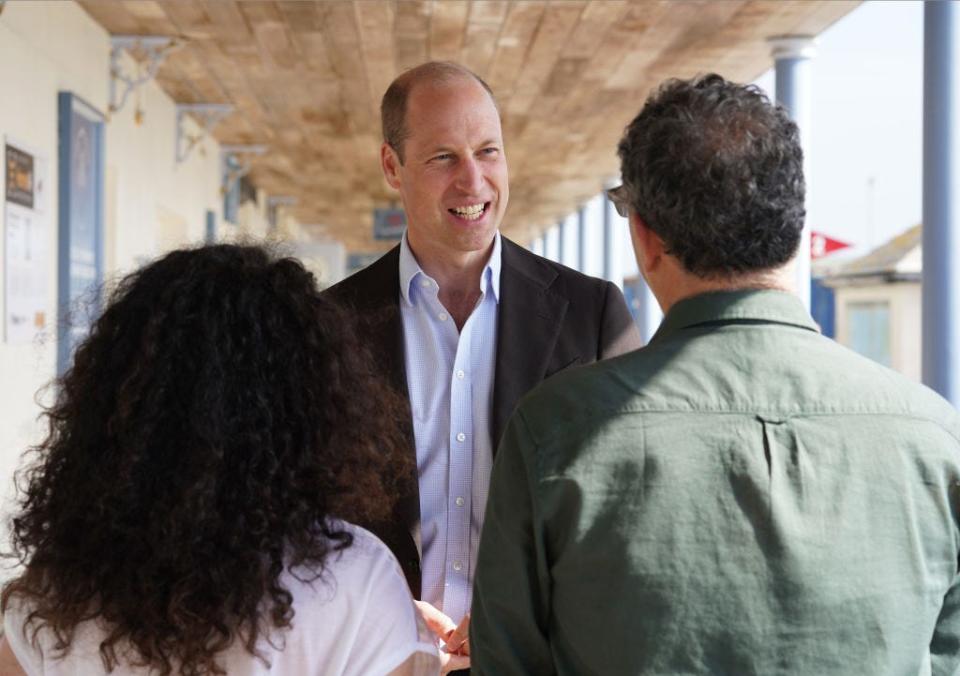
<point>941,198</point>
<point>537,245</point>
<point>615,238</point>
<point>792,54</point>
<point>607,237</point>
<point>582,239</point>
<point>561,240</point>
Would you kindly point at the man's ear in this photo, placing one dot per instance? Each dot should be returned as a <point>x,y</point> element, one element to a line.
<point>390,163</point>
<point>650,247</point>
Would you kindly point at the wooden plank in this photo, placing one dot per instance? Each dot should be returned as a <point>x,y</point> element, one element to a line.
<point>346,61</point>
<point>448,24</point>
<point>113,16</point>
<point>188,18</point>
<point>483,28</point>
<point>518,30</point>
<point>228,21</point>
<point>412,33</point>
<point>146,10</point>
<point>375,22</point>
<point>276,49</point>
<point>554,28</point>
<point>589,34</point>
<point>313,49</point>
<point>260,11</point>
<point>301,17</point>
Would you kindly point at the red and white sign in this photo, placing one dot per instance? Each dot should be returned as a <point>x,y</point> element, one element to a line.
<point>821,245</point>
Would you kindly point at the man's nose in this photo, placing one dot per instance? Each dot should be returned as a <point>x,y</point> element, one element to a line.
<point>470,175</point>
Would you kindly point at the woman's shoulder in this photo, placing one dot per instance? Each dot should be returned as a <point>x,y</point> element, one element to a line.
<point>364,557</point>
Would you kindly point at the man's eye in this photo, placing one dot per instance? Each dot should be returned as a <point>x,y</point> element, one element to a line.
<point>443,156</point>
<point>490,151</point>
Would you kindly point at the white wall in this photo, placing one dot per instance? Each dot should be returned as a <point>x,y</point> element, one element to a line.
<point>151,203</point>
<point>34,65</point>
<point>904,301</point>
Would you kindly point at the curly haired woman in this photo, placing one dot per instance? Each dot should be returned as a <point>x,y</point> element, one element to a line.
<point>189,509</point>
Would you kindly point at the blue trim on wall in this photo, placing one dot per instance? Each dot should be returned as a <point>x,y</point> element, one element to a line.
<point>822,307</point>
<point>210,236</point>
<point>72,317</point>
<point>64,108</point>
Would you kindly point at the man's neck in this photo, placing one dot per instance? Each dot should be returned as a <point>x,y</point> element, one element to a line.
<point>687,286</point>
<point>458,276</point>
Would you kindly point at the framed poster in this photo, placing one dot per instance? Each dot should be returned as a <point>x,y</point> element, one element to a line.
<point>25,243</point>
<point>389,223</point>
<point>80,250</point>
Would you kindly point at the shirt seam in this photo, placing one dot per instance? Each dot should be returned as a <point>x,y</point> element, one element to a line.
<point>754,411</point>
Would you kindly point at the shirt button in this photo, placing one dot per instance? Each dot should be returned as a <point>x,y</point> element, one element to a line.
<point>461,437</point>
<point>442,316</point>
<point>424,283</point>
<point>459,501</point>
<point>457,566</point>
<point>460,374</point>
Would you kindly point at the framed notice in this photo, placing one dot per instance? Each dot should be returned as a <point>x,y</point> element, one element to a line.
<point>358,261</point>
<point>389,223</point>
<point>26,253</point>
<point>80,252</point>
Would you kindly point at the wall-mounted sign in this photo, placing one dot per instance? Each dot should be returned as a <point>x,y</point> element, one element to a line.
<point>358,261</point>
<point>26,247</point>
<point>19,167</point>
<point>389,223</point>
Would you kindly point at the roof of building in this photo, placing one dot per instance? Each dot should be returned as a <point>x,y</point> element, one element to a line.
<point>899,259</point>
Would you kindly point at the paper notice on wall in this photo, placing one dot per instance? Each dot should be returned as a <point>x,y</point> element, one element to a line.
<point>26,250</point>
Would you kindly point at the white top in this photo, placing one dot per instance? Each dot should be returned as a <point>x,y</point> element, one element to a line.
<point>450,382</point>
<point>357,619</point>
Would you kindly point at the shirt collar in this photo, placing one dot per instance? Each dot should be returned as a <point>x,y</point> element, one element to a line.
<point>763,305</point>
<point>410,270</point>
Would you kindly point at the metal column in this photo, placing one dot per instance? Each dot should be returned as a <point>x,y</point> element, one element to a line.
<point>941,198</point>
<point>562,241</point>
<point>792,54</point>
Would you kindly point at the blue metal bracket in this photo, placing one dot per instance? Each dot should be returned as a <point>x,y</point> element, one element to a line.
<point>150,48</point>
<point>235,162</point>
<point>207,115</point>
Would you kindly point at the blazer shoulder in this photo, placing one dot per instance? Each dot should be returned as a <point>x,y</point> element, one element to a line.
<point>371,286</point>
<point>549,272</point>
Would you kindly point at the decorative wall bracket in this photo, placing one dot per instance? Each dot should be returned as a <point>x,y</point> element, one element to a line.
<point>207,115</point>
<point>274,204</point>
<point>235,162</point>
<point>281,201</point>
<point>152,48</point>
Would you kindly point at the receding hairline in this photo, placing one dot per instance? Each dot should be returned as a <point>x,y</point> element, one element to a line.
<point>395,101</point>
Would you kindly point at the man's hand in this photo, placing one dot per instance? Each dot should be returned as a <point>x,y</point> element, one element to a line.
<point>456,652</point>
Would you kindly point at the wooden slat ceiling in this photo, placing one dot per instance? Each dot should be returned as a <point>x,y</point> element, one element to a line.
<point>307,77</point>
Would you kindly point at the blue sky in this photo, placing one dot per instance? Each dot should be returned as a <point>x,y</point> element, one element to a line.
<point>866,137</point>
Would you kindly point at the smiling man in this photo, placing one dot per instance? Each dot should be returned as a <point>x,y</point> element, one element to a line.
<point>465,322</point>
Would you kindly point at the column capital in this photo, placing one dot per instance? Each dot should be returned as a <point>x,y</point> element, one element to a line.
<point>792,46</point>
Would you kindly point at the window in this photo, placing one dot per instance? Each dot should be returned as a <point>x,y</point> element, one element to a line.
<point>868,330</point>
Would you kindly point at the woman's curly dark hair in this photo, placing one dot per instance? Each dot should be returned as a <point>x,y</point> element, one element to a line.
<point>219,412</point>
<point>717,172</point>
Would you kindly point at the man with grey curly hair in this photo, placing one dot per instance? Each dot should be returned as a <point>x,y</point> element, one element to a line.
<point>742,496</point>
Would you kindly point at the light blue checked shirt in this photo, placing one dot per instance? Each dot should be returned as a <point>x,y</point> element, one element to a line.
<point>450,380</point>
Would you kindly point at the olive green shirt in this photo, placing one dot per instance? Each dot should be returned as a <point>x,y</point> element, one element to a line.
<point>743,496</point>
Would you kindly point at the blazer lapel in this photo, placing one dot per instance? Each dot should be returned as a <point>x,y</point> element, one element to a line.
<point>530,316</point>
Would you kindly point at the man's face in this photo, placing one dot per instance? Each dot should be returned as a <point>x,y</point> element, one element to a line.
<point>453,181</point>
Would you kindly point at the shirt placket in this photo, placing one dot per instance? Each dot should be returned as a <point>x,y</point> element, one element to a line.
<point>459,484</point>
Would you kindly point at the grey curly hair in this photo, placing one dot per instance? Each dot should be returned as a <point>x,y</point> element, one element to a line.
<point>716,171</point>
